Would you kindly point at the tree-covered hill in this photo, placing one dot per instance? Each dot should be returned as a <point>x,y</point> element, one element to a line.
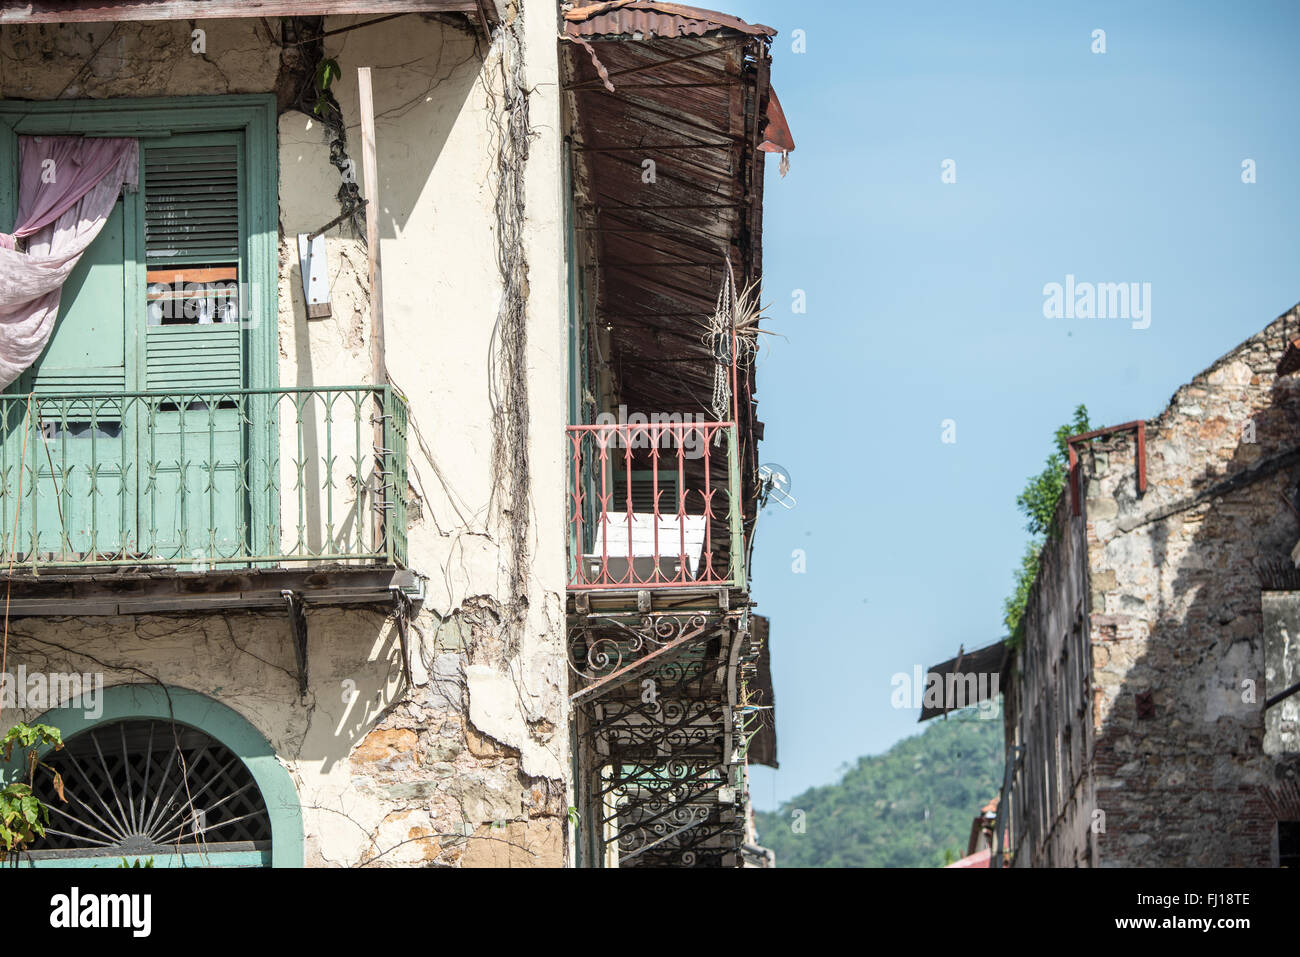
<point>903,808</point>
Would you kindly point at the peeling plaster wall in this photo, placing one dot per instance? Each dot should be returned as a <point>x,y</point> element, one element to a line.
<point>481,744</point>
<point>1175,617</point>
<point>383,777</point>
<point>98,60</point>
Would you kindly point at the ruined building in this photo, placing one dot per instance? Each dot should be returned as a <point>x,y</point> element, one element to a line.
<point>1150,710</point>
<point>378,484</point>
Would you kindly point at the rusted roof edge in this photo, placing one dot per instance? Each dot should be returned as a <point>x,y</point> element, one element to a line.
<point>652,18</point>
<point>982,663</point>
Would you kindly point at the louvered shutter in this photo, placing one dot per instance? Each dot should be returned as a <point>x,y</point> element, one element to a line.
<point>193,253</point>
<point>643,489</point>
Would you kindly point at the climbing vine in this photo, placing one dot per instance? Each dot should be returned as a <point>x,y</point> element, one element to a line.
<point>508,381</point>
<point>315,74</point>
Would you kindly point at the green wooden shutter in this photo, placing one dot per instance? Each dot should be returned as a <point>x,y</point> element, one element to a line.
<point>194,505</point>
<point>189,463</point>
<point>643,490</point>
<point>193,238</point>
<point>87,351</point>
<point>192,204</point>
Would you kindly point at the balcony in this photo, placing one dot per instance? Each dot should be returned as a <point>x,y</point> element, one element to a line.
<point>654,506</point>
<point>204,481</point>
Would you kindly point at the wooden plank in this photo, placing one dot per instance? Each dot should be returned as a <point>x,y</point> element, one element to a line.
<point>164,592</point>
<point>179,275</point>
<point>198,605</point>
<point>371,183</point>
<point>378,372</point>
<point>101,11</point>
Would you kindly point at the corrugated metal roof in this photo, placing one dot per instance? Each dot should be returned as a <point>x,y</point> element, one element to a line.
<point>649,18</point>
<point>697,107</point>
<point>978,859</point>
<point>777,137</point>
<point>989,660</point>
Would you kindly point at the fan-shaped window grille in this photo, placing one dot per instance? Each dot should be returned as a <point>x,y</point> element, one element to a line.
<point>147,787</point>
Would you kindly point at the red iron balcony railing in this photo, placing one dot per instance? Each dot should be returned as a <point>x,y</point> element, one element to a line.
<point>654,506</point>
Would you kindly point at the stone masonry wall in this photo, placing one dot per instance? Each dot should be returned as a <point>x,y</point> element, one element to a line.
<point>384,777</point>
<point>1175,614</point>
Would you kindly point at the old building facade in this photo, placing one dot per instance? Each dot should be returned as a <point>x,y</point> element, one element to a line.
<point>1146,723</point>
<point>320,559</point>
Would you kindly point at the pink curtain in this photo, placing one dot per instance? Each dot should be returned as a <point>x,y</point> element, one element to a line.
<point>66,190</point>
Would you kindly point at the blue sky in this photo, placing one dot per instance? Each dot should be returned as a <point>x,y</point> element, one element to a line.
<point>925,300</point>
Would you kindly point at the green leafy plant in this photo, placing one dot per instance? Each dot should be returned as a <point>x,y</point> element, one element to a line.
<point>23,816</point>
<point>1014,605</point>
<point>1038,503</point>
<point>1042,492</point>
<point>135,864</point>
<point>327,71</point>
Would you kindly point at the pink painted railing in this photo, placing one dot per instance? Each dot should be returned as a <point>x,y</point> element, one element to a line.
<point>654,506</point>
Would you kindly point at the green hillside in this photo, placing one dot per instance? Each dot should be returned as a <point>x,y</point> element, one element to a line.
<point>876,815</point>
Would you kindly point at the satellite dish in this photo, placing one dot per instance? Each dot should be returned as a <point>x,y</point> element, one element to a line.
<point>775,486</point>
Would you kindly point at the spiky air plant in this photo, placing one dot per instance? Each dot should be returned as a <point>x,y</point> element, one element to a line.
<point>739,312</point>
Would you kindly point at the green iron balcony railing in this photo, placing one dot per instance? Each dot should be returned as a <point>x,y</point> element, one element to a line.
<point>204,479</point>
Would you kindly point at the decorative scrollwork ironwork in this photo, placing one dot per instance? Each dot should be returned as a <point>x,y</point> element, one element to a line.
<point>596,655</point>
<point>654,700</point>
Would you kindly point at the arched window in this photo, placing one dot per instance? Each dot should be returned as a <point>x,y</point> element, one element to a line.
<point>146,788</point>
<point>166,777</point>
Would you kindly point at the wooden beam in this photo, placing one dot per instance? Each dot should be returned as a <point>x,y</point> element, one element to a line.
<point>652,65</point>
<point>103,11</point>
<point>378,369</point>
<point>485,15</point>
<point>174,592</point>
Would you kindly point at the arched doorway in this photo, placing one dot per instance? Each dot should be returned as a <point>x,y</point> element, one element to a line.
<point>164,777</point>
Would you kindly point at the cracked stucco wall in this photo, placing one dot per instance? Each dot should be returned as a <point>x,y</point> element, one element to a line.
<point>384,778</point>
<point>43,61</point>
<point>481,744</point>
